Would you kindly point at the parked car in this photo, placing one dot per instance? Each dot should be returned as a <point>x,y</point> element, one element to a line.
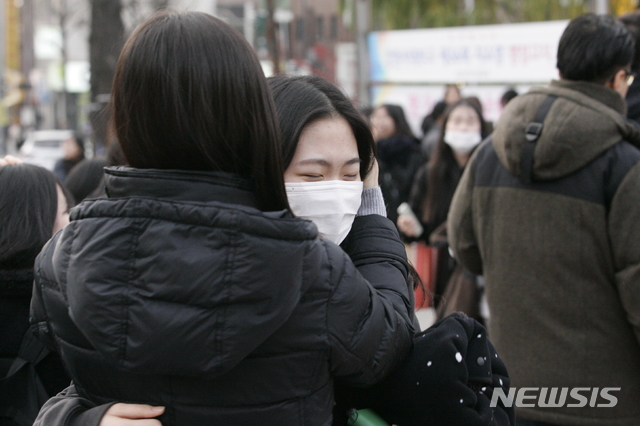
<point>44,147</point>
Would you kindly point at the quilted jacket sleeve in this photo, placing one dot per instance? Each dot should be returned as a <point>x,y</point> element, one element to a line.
<point>369,327</point>
<point>39,317</point>
<point>375,248</point>
<point>69,409</point>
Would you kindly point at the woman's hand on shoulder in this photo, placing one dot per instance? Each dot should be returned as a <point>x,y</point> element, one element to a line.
<point>132,415</point>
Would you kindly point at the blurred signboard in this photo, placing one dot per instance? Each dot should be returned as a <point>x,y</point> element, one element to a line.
<point>77,76</point>
<point>498,54</point>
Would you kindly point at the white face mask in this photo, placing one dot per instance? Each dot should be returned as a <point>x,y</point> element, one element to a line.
<point>462,142</point>
<point>331,205</point>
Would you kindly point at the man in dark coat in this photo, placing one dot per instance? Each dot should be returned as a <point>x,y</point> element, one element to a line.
<point>548,210</point>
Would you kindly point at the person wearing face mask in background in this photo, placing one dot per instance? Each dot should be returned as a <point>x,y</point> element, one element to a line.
<point>398,153</point>
<point>435,183</point>
<point>33,207</point>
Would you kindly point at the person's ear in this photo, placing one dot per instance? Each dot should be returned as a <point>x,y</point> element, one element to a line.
<point>619,83</point>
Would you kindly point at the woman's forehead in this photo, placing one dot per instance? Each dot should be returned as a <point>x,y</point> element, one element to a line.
<point>330,138</point>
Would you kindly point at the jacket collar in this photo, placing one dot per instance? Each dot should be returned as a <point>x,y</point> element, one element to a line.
<point>179,185</point>
<point>599,92</point>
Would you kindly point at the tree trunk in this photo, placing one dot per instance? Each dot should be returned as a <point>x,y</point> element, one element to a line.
<point>272,37</point>
<point>105,43</point>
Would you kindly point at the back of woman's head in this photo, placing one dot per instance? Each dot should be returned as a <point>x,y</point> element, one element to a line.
<point>396,112</point>
<point>190,94</point>
<point>80,143</point>
<point>302,100</point>
<point>85,178</point>
<point>28,207</point>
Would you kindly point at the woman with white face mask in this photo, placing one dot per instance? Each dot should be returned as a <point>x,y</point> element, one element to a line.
<point>434,185</point>
<point>327,153</point>
<point>331,176</point>
<point>463,130</point>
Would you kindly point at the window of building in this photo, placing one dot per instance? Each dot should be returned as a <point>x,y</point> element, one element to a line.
<point>334,27</point>
<point>300,29</point>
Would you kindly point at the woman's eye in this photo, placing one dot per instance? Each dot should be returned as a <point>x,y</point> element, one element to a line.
<point>313,176</point>
<point>354,176</point>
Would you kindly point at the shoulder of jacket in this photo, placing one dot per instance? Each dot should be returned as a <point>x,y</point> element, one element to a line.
<point>333,261</point>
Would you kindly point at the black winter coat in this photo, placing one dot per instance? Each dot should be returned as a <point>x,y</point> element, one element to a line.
<point>15,298</point>
<point>177,291</point>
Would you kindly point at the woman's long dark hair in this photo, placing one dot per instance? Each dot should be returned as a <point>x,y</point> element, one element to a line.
<point>302,100</point>
<point>443,168</point>
<point>28,208</point>
<point>190,94</point>
<point>396,112</point>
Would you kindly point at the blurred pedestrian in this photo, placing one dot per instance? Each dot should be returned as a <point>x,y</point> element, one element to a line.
<point>452,94</point>
<point>33,207</point>
<point>431,128</point>
<point>507,96</point>
<point>436,181</point>
<point>235,312</point>
<point>398,154</point>
<point>86,179</point>
<point>548,210</point>
<point>73,154</point>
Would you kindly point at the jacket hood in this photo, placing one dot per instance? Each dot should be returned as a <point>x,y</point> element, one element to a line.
<point>584,121</point>
<point>162,285</point>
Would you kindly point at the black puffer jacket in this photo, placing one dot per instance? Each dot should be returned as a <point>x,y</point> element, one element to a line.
<point>177,291</point>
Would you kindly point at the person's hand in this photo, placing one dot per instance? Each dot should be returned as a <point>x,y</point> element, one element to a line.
<point>10,160</point>
<point>371,181</point>
<point>131,415</point>
<point>409,226</point>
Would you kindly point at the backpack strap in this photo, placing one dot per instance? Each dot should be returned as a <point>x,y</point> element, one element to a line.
<point>532,133</point>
